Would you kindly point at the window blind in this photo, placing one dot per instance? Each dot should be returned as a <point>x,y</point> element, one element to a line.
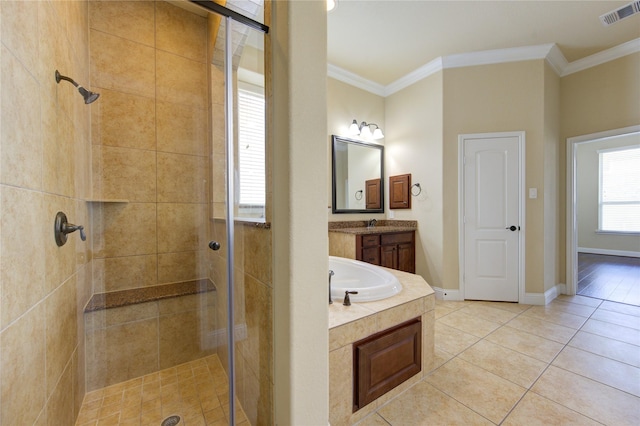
<point>619,198</point>
<point>251,154</point>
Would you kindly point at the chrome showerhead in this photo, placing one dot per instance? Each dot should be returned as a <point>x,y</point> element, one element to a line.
<point>88,95</point>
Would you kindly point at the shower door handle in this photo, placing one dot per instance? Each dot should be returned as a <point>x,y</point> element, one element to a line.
<point>214,245</point>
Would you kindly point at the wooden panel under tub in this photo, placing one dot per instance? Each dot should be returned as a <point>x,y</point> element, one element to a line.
<point>384,360</point>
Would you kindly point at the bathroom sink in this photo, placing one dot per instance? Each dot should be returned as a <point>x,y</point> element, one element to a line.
<point>370,281</point>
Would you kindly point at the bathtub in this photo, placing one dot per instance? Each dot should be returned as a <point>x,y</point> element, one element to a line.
<point>370,281</point>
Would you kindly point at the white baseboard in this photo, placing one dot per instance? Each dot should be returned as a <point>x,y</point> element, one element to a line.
<point>624,253</point>
<point>529,298</point>
<point>544,298</point>
<point>447,294</point>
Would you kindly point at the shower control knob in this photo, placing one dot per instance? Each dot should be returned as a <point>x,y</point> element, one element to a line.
<point>214,245</point>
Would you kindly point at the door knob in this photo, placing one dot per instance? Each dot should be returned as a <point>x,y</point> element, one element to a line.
<point>214,245</point>
<point>513,228</point>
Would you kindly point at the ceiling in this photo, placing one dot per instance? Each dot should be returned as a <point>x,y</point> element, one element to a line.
<point>384,40</point>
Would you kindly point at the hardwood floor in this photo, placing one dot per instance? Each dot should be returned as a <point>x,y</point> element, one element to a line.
<point>614,278</point>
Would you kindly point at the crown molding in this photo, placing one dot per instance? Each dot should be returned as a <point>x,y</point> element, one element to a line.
<point>355,80</point>
<point>624,49</point>
<point>550,52</point>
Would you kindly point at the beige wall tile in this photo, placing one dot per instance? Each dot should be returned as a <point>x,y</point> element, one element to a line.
<point>125,173</point>
<point>119,316</point>
<point>123,120</point>
<point>58,139</point>
<point>124,229</point>
<point>20,31</point>
<point>182,338</point>
<point>22,273</point>
<point>181,32</point>
<point>176,186</point>
<point>400,314</point>
<point>132,20</point>
<point>60,406</point>
<point>351,332</point>
<point>21,162</point>
<point>258,347</point>
<point>122,65</point>
<point>181,227</point>
<point>22,356</point>
<point>61,329</point>
<point>182,129</point>
<point>257,257</point>
<point>183,266</point>
<point>180,80</point>
<point>120,353</point>
<point>120,273</point>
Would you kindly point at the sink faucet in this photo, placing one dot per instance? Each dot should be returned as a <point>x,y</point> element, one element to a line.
<point>331,273</point>
<point>371,223</point>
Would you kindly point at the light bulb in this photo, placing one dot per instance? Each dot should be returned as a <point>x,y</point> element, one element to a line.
<point>377,133</point>
<point>354,129</point>
<point>365,132</point>
<point>331,4</point>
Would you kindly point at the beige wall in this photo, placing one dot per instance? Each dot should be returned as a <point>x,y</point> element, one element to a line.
<point>44,168</point>
<point>497,98</point>
<point>600,98</point>
<point>344,104</point>
<point>300,263</point>
<point>587,172</point>
<point>414,145</point>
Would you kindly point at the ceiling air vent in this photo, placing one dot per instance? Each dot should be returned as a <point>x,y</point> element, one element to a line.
<point>620,13</point>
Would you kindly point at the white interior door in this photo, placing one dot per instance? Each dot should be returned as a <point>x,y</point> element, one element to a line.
<point>491,216</point>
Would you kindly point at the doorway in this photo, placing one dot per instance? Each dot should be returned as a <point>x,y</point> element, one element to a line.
<point>491,216</point>
<point>601,262</point>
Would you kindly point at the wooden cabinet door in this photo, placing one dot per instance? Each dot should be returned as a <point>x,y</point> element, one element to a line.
<point>406,258</point>
<point>389,257</point>
<point>371,255</point>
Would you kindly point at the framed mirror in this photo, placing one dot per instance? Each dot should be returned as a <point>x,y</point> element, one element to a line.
<point>357,169</point>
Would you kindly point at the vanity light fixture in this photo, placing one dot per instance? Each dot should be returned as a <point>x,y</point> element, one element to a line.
<point>364,130</point>
<point>331,4</point>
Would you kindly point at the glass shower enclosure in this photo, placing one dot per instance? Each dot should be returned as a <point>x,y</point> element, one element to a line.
<point>180,312</point>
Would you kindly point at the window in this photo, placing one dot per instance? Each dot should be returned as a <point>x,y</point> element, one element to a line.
<point>619,199</point>
<point>251,150</point>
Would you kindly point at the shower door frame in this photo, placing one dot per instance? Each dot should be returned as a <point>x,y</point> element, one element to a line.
<point>230,16</point>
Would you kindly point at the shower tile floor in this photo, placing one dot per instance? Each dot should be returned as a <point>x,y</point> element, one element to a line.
<point>196,391</point>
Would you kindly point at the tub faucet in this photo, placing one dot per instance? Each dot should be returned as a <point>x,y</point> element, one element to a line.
<point>371,223</point>
<point>331,273</point>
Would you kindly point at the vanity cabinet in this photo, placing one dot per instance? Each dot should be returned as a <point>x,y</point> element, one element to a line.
<point>392,250</point>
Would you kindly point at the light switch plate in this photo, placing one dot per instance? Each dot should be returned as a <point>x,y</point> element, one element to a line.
<point>533,193</point>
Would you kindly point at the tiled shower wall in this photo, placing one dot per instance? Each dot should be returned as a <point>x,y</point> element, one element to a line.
<point>44,168</point>
<point>149,135</point>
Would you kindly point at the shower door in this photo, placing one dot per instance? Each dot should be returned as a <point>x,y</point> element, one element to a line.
<point>239,243</point>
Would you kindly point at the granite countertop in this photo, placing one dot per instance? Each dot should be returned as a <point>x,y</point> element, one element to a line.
<point>413,287</point>
<point>381,227</point>
<point>133,296</point>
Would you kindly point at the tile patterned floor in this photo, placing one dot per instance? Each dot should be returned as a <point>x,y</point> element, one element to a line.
<point>575,361</point>
<point>196,391</point>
